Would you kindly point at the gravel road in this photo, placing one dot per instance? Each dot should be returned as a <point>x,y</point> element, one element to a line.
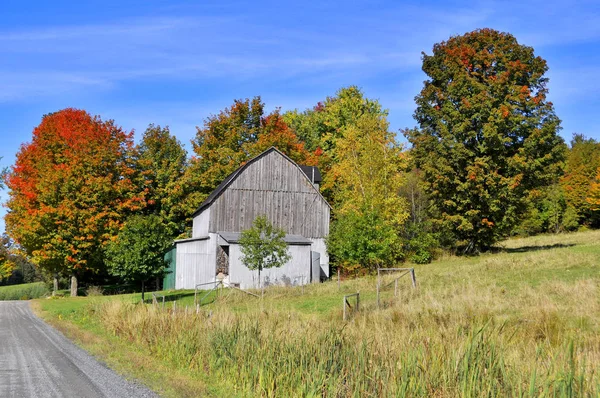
<point>37,361</point>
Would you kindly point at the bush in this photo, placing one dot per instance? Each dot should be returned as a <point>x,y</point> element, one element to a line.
<point>94,291</point>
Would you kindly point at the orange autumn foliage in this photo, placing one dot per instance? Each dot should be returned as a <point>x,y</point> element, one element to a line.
<point>70,190</point>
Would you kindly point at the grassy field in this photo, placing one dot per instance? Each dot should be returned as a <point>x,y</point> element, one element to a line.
<point>524,321</point>
<point>24,291</point>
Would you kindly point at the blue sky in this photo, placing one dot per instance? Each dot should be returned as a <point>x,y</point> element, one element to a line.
<point>176,62</point>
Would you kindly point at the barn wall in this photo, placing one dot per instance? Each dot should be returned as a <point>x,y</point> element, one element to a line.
<point>318,245</point>
<point>196,263</point>
<point>294,272</point>
<point>200,224</point>
<point>273,186</point>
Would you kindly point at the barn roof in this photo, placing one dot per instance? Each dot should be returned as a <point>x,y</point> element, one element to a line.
<point>306,170</point>
<point>234,237</point>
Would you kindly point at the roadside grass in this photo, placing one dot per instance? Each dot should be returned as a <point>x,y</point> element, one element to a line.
<point>523,321</point>
<point>24,291</point>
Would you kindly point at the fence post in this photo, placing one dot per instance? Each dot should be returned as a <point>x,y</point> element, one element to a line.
<point>338,279</point>
<point>413,277</point>
<point>378,282</point>
<point>344,303</point>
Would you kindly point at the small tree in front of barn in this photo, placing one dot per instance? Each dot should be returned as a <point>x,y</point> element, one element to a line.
<point>137,255</point>
<point>263,246</point>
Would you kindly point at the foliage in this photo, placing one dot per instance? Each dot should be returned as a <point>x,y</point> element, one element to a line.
<point>70,190</point>
<point>362,240</point>
<point>420,241</point>
<point>583,159</point>
<point>362,167</point>
<point>367,168</point>
<point>322,126</point>
<point>548,212</point>
<point>162,160</point>
<point>487,134</point>
<point>15,267</point>
<point>594,194</point>
<point>232,137</point>
<point>137,254</point>
<point>263,246</point>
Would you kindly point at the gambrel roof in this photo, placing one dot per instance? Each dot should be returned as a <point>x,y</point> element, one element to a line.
<point>306,171</point>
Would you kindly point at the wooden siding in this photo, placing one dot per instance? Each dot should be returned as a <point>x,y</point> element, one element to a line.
<point>196,263</point>
<point>277,188</point>
<point>200,224</point>
<point>294,273</point>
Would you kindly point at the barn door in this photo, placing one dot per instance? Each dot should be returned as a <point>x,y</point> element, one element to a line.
<point>315,268</point>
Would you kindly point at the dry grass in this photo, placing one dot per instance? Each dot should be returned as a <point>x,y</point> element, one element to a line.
<point>521,322</point>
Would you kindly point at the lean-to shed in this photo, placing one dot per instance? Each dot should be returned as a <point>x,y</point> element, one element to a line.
<point>270,184</point>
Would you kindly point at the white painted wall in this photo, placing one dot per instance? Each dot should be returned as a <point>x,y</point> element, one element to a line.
<point>196,263</point>
<point>200,224</point>
<point>294,272</point>
<point>318,245</point>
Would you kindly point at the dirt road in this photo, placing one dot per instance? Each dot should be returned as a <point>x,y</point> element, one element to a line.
<point>37,361</point>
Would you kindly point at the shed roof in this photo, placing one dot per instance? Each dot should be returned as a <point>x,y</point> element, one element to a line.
<point>307,171</point>
<point>234,237</point>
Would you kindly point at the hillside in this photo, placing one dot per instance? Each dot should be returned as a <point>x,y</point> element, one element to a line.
<point>522,321</point>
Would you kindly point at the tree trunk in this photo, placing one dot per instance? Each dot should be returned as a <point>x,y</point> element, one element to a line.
<point>157,283</point>
<point>73,285</point>
<point>143,286</point>
<point>55,283</point>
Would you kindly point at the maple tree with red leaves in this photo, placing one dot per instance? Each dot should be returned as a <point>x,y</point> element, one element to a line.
<point>71,188</point>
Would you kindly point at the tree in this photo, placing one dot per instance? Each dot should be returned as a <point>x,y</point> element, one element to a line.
<point>71,188</point>
<point>325,124</point>
<point>487,134</point>
<point>137,254</point>
<point>15,268</point>
<point>583,159</point>
<point>594,193</point>
<point>360,241</point>
<point>162,161</point>
<point>263,246</point>
<point>368,172</point>
<point>362,167</point>
<point>231,138</point>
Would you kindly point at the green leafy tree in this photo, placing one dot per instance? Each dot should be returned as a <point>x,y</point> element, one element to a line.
<point>321,128</point>
<point>368,170</point>
<point>487,134</point>
<point>360,241</point>
<point>162,161</point>
<point>137,254</point>
<point>263,246</point>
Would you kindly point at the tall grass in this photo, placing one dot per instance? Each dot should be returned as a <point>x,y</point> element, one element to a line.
<point>523,322</point>
<point>24,292</point>
<point>454,343</point>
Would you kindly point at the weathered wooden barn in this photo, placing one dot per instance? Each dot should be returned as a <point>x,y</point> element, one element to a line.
<point>270,184</point>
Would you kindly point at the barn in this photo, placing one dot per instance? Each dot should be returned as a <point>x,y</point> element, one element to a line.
<point>270,184</point>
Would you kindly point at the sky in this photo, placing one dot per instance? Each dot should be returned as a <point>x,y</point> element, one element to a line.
<point>174,63</point>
